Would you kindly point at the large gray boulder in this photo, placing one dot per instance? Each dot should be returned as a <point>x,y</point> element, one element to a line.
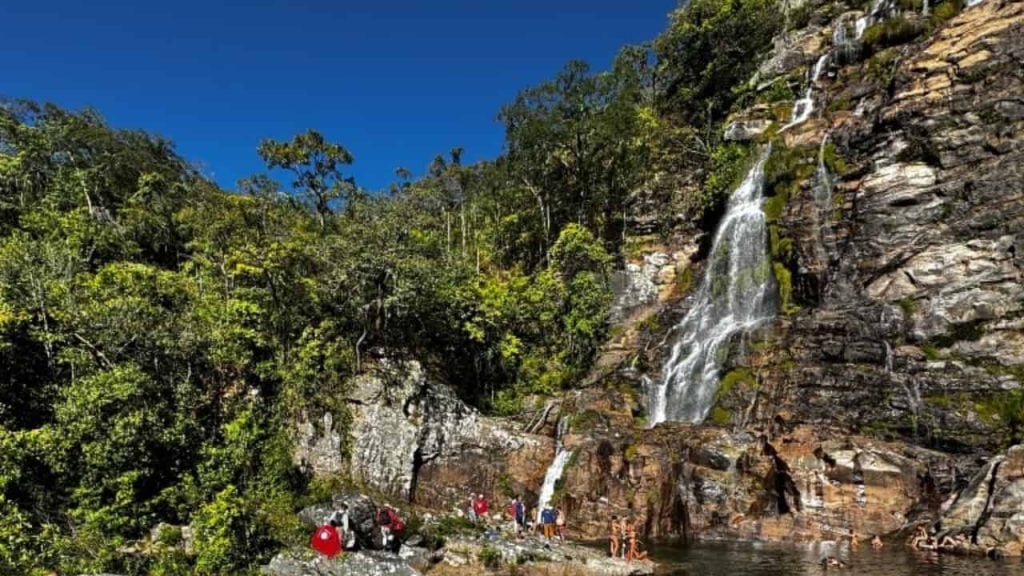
<point>990,511</point>
<point>362,515</point>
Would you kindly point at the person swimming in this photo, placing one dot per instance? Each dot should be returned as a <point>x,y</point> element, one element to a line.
<point>831,562</point>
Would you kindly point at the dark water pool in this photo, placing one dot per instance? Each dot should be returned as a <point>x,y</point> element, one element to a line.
<point>755,559</point>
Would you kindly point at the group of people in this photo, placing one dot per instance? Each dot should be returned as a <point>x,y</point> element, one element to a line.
<point>922,540</point>
<point>551,521</point>
<point>337,535</point>
<point>623,541</point>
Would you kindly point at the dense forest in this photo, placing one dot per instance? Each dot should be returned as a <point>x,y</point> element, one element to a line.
<point>158,333</point>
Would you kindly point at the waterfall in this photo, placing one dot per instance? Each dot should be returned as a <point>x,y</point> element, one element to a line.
<point>822,193</point>
<point>971,3</point>
<point>804,107</point>
<point>924,8</point>
<point>824,184</point>
<point>842,43</point>
<point>879,10</point>
<point>555,470</point>
<point>736,294</point>
<point>888,357</point>
<point>860,27</point>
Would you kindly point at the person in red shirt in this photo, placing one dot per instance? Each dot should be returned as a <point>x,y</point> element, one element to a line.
<point>480,506</point>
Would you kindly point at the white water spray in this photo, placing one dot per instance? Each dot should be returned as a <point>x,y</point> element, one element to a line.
<point>736,295</point>
<point>804,107</point>
<point>555,470</point>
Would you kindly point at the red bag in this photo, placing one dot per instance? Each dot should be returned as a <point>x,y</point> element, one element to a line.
<point>326,541</point>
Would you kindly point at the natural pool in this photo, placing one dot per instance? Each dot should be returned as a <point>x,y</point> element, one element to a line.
<point>757,559</point>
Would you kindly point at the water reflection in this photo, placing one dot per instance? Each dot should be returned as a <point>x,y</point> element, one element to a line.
<point>757,559</point>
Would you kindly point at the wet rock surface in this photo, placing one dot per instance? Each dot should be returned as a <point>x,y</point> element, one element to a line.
<point>909,286</point>
<point>989,513</point>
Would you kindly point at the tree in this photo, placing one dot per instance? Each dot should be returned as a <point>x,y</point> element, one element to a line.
<point>316,165</point>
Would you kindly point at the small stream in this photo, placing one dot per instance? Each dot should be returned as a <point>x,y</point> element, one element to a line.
<point>760,559</point>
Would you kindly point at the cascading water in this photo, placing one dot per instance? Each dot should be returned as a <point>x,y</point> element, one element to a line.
<point>736,295</point>
<point>804,107</point>
<point>880,9</point>
<point>555,470</point>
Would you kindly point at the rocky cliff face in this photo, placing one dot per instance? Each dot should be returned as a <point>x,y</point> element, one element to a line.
<point>910,286</point>
<point>870,398</point>
<point>415,440</point>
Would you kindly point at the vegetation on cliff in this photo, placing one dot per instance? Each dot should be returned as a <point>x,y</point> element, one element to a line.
<point>158,334</point>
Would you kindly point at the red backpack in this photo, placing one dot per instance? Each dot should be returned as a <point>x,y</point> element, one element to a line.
<point>326,541</point>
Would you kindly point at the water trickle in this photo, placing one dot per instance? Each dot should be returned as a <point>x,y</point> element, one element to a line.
<point>804,107</point>
<point>557,467</point>
<point>824,183</point>
<point>860,26</point>
<point>880,10</point>
<point>736,295</point>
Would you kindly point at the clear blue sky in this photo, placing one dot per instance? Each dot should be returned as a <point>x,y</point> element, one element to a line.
<point>395,81</point>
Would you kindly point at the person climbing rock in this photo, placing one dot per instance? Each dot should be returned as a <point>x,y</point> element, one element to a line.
<point>877,543</point>
<point>560,523</point>
<point>614,534</point>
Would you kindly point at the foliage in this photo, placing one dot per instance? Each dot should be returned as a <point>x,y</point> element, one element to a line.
<point>490,557</point>
<point>889,32</point>
<point>710,49</point>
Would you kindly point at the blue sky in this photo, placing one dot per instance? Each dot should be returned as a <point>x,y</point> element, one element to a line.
<point>395,81</point>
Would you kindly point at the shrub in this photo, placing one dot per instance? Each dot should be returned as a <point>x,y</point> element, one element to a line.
<point>490,557</point>
<point>892,32</point>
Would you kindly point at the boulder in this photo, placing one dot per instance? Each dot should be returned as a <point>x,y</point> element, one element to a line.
<point>362,516</point>
<point>990,510</point>
<point>354,564</point>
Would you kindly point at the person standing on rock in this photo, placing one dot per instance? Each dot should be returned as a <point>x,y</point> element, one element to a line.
<point>614,533</point>
<point>471,510</point>
<point>339,519</point>
<point>560,523</point>
<point>518,513</point>
<point>547,518</point>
